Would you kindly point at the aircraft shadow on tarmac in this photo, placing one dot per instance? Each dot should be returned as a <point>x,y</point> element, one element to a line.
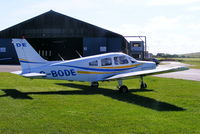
<point>87,90</point>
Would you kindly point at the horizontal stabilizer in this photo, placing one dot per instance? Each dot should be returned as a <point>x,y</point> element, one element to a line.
<point>17,72</point>
<point>29,75</point>
<point>33,75</point>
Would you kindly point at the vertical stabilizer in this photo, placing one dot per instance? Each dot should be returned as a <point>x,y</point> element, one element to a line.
<point>28,57</point>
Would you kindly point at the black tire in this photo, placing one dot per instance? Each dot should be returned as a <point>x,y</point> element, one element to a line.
<point>95,84</point>
<point>123,89</point>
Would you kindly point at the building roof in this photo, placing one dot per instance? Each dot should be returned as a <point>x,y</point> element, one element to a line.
<point>55,25</point>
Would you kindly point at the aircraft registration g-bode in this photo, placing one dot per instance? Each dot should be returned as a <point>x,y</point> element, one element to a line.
<point>103,67</point>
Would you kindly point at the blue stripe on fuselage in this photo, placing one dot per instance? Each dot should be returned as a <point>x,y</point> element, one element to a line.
<point>31,62</point>
<point>98,69</point>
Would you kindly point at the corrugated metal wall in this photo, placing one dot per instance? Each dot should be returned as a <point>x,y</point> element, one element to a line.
<point>7,52</point>
<point>115,45</point>
<point>98,45</point>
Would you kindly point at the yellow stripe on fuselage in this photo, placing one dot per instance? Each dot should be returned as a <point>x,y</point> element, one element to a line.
<point>23,60</point>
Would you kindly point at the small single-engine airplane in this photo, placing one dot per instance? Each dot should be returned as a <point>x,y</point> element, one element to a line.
<point>103,67</point>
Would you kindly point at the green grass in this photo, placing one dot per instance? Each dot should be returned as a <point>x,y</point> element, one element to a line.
<point>51,106</point>
<point>192,55</point>
<point>195,62</point>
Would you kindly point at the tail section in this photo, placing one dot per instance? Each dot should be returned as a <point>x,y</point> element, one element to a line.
<point>28,57</point>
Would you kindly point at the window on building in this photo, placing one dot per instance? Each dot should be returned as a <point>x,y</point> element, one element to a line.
<point>49,52</point>
<point>136,45</point>
<point>46,53</point>
<point>120,60</point>
<point>93,63</point>
<point>2,49</point>
<point>42,52</point>
<point>106,62</point>
<point>85,48</point>
<point>103,49</point>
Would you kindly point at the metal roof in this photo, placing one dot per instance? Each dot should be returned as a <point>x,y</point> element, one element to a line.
<point>55,25</point>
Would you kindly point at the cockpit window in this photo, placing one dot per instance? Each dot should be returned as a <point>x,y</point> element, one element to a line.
<point>93,63</point>
<point>116,60</point>
<point>106,62</point>
<point>132,60</point>
<point>120,60</point>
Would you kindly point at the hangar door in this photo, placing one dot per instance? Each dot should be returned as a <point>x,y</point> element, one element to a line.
<point>52,48</point>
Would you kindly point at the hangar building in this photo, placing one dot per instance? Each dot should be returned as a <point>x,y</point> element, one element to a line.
<point>53,34</point>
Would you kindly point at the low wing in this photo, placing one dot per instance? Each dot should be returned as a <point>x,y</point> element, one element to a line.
<point>29,75</point>
<point>147,72</point>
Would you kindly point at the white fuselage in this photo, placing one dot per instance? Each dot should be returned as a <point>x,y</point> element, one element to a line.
<point>93,68</point>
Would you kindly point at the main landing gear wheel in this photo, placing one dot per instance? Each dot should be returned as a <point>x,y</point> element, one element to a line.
<point>95,84</point>
<point>143,85</point>
<point>123,89</point>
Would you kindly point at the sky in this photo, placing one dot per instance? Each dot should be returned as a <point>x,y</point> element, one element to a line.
<point>171,26</point>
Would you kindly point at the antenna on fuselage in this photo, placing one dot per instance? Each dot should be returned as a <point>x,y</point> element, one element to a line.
<point>61,57</point>
<point>79,54</point>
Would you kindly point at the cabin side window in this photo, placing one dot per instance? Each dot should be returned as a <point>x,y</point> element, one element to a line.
<point>93,63</point>
<point>120,60</point>
<point>116,60</point>
<point>106,62</point>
